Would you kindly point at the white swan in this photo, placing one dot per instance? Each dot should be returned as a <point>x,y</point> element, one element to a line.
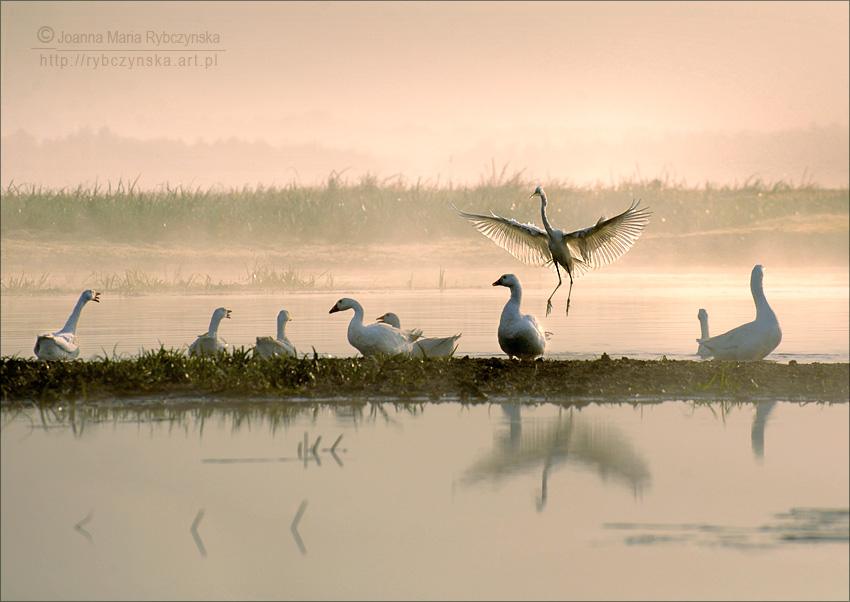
<point>753,340</point>
<point>519,335</point>
<point>271,346</point>
<point>209,343</point>
<point>62,345</point>
<point>374,339</point>
<point>702,316</point>
<point>426,347</point>
<point>577,252</point>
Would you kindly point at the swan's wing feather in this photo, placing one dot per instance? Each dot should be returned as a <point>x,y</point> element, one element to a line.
<point>66,341</point>
<point>436,347</point>
<point>526,242</point>
<point>608,239</point>
<point>379,338</point>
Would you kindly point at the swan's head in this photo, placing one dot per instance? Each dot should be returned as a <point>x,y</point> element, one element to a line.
<point>702,315</point>
<point>758,274</point>
<point>283,316</point>
<point>508,280</point>
<point>391,319</point>
<point>91,295</point>
<point>538,192</point>
<point>221,313</point>
<point>343,304</point>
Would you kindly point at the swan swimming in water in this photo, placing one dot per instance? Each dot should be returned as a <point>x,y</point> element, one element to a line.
<point>271,346</point>
<point>519,335</point>
<point>753,340</point>
<point>62,345</point>
<point>375,339</point>
<point>210,343</point>
<point>577,252</point>
<point>425,347</point>
<point>702,316</point>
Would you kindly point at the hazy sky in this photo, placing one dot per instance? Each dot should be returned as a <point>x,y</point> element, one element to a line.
<point>426,77</point>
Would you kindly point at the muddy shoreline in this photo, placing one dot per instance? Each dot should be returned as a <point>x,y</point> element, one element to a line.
<point>167,377</point>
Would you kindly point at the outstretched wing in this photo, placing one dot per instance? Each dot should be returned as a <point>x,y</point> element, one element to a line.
<point>526,242</point>
<point>605,242</point>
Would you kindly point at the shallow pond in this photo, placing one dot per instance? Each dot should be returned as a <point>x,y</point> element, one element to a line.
<point>641,316</point>
<point>673,500</point>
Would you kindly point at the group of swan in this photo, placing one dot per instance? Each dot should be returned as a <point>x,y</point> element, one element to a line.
<point>519,335</point>
<point>751,341</point>
<point>385,336</point>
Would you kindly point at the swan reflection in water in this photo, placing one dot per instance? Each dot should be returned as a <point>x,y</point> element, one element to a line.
<point>545,444</point>
<point>760,415</point>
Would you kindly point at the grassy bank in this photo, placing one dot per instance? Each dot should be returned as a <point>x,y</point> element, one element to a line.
<point>169,373</point>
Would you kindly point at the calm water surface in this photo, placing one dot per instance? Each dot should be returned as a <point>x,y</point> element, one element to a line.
<point>673,500</point>
<point>642,316</point>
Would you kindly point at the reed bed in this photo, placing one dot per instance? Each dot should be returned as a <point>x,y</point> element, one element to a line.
<point>169,373</point>
<point>390,210</point>
<point>262,276</point>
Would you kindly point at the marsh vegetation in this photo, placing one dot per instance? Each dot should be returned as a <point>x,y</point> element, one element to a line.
<point>778,223</point>
<point>172,374</point>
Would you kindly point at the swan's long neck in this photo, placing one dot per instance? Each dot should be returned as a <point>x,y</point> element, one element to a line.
<point>703,325</point>
<point>515,300</point>
<point>543,204</point>
<point>763,310</point>
<point>281,327</point>
<point>357,319</point>
<point>71,324</point>
<point>216,320</point>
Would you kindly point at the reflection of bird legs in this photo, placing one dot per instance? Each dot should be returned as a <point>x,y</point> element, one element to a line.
<point>544,488</point>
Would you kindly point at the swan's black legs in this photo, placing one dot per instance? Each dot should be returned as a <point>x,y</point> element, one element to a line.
<point>560,282</point>
<point>570,292</point>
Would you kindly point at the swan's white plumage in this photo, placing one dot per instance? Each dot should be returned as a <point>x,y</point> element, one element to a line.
<point>280,345</point>
<point>378,338</point>
<point>425,347</point>
<point>577,252</point>
<point>62,345</point>
<point>519,335</point>
<point>702,316</point>
<point>210,343</point>
<point>753,340</point>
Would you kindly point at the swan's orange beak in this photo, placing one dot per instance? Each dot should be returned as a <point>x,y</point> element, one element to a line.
<point>96,298</point>
<point>228,314</point>
<point>498,282</point>
<point>333,309</point>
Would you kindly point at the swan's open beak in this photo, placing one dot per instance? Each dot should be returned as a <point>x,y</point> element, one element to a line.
<point>333,309</point>
<point>228,314</point>
<point>96,297</point>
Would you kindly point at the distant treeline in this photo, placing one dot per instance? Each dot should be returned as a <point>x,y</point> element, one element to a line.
<point>393,211</point>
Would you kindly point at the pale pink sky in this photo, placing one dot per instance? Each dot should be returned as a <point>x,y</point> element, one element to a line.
<point>431,78</point>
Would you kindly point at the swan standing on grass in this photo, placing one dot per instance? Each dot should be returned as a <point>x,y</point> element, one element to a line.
<point>430,347</point>
<point>209,343</point>
<point>375,339</point>
<point>753,340</point>
<point>702,316</point>
<point>577,252</point>
<point>62,345</point>
<point>519,335</point>
<point>270,346</point>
